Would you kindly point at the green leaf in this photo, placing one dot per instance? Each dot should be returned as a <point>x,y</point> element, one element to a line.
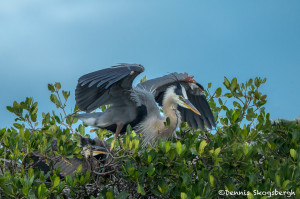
<point>183,195</point>
<point>209,85</point>
<point>10,109</point>
<point>218,92</point>
<point>285,183</point>
<point>226,83</point>
<point>25,191</point>
<point>277,179</point>
<point>17,125</point>
<point>245,149</point>
<point>250,195</point>
<point>77,150</point>
<point>112,145</point>
<point>167,146</point>
<point>257,82</point>
<point>141,190</point>
<point>51,88</point>
<point>66,94</point>
<point>79,169</point>
<point>202,146</point>
<point>136,144</point>
<point>40,191</point>
<point>220,101</point>
<point>56,181</point>
<point>211,180</point>
<point>30,172</point>
<point>229,95</point>
<point>263,97</point>
<point>109,195</point>
<point>249,82</point>
<point>122,195</point>
<point>54,98</point>
<point>2,131</point>
<point>57,85</point>
<point>103,108</point>
<point>236,115</point>
<point>149,159</point>
<point>178,147</point>
<point>217,151</point>
<point>233,85</point>
<point>163,189</point>
<point>167,122</point>
<point>143,79</point>
<point>27,134</point>
<point>151,169</point>
<point>250,114</point>
<point>236,104</point>
<point>293,153</point>
<point>69,180</point>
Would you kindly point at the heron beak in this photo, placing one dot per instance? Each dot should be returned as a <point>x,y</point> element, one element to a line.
<point>189,105</point>
<point>87,153</point>
<point>98,152</point>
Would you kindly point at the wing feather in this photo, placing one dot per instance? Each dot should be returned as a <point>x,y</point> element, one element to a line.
<point>88,78</point>
<point>200,105</point>
<point>114,80</point>
<point>200,123</point>
<point>195,92</point>
<point>106,86</point>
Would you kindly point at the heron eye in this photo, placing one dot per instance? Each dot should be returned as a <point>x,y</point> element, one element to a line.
<point>181,98</point>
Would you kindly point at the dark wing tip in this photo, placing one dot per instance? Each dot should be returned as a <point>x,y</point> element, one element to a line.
<point>135,67</point>
<point>109,72</point>
<point>196,95</point>
<point>93,88</point>
<point>200,86</point>
<point>207,112</point>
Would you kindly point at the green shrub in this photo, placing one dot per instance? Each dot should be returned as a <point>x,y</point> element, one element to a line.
<point>247,152</point>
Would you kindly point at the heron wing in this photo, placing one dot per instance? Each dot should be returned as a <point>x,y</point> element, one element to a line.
<point>195,93</point>
<point>107,86</point>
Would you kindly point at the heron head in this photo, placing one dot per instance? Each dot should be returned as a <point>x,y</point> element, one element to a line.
<point>180,98</point>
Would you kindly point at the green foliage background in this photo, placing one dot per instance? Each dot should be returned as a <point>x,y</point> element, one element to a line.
<point>247,151</point>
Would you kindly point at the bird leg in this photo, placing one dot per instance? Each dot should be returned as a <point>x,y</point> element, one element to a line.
<point>118,130</point>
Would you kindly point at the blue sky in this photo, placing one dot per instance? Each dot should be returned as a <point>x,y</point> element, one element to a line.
<point>43,42</point>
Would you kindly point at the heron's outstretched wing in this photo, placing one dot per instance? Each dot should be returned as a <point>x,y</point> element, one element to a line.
<point>107,86</point>
<point>195,93</point>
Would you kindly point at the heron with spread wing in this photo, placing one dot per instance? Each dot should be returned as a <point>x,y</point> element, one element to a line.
<point>181,97</point>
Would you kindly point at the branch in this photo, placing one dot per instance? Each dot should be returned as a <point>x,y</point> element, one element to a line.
<point>10,161</point>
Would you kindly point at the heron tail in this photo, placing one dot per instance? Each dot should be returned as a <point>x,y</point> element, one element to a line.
<point>90,119</point>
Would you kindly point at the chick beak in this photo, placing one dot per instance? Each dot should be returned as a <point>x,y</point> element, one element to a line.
<point>98,152</point>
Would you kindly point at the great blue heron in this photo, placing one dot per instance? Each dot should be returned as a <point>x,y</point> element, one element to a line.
<point>137,106</point>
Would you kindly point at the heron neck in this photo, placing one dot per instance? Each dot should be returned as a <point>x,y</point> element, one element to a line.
<point>170,111</point>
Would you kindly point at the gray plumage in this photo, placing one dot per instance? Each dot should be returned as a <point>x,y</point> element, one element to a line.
<point>95,153</point>
<point>180,96</point>
<point>195,93</point>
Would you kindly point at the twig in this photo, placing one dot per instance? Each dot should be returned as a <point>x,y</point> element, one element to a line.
<point>10,161</point>
<point>4,157</point>
<point>105,173</point>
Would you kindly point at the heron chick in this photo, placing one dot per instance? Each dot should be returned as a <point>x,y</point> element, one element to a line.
<point>181,98</point>
<point>154,125</point>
